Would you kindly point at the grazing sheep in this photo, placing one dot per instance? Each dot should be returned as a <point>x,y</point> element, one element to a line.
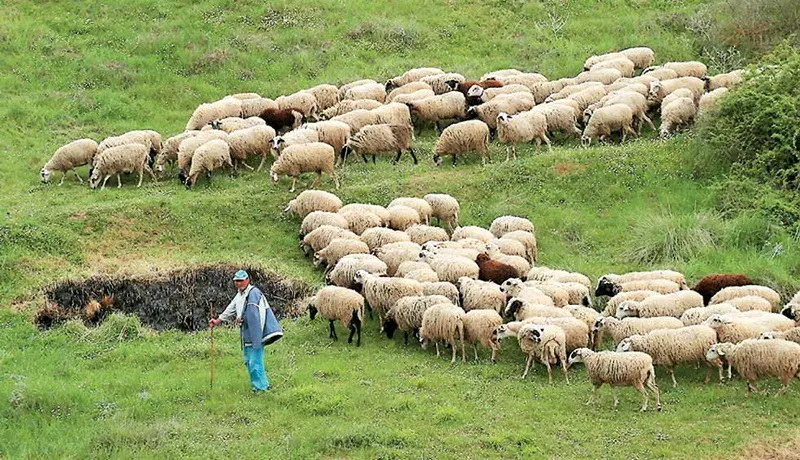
<point>309,201</point>
<point>711,284</point>
<point>506,224</point>
<point>507,246</point>
<point>256,140</point>
<point>673,304</point>
<point>618,369</point>
<point>396,253</point>
<point>637,102</point>
<point>493,270</point>
<point>359,222</point>
<point>409,266</point>
<point>232,124</point>
<point>415,96</point>
<point>301,158</point>
<point>380,139</point>
<point>463,137</point>
<point>254,107</point>
<point>339,304</point>
<point>68,157</point>
<point>610,284</point>
<point>438,83</point>
<point>792,335</point>
<point>750,303</point>
<point>514,287</point>
<point>449,267</point>
<point>710,100</point>
<point>622,64</point>
<point>403,217</point>
<point>508,91</point>
<point>206,113</point>
<point>332,132</point>
<point>374,91</point>
<point>619,329</point>
<point>724,80</point>
<point>586,97</point>
<point>509,104</point>
<point>728,293</point>
<point>688,68</point>
<point>604,76</point>
<point>528,239</point>
<point>410,88</point>
<point>425,275</point>
<point>755,359</point>
<point>130,158</point>
<point>523,127</point>
<point>661,286</point>
<point>149,138</point>
<point>699,315</point>
<point>529,80</point>
<point>443,323</point>
<point>281,119</point>
<point>294,137</point>
<point>209,157</point>
<point>571,89</point>
<point>576,331</point>
<point>478,328</point>
<point>421,234</point>
<point>169,151</point>
<point>592,61</point>
<point>660,73</point>
<point>560,276</point>
<point>358,119</point>
<point>519,310</point>
<point>347,106</point>
<point>605,120</point>
<point>406,314</point>
<point>338,248</point>
<point>411,76</point>
<point>498,74</point>
<point>347,86</point>
<point>379,211</point>
<point>447,106</point>
<point>560,118</point>
<point>480,295</point>
<point>381,293</point>
<point>545,342</point>
<point>736,328</point>
<point>301,101</point>
<point>589,316</point>
<point>670,347</point>
<point>322,236</point>
<point>188,146</point>
<point>464,86</point>
<point>444,208</point>
<point>677,114</point>
<point>660,89</point>
<point>442,288</point>
<point>343,274</point>
<point>377,237</point>
<point>326,95</point>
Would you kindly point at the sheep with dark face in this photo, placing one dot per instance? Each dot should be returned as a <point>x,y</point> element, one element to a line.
<point>339,304</point>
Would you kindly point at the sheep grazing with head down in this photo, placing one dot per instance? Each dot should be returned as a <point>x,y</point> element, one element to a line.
<point>301,101</point>
<point>301,158</point>
<point>514,287</point>
<point>442,288</point>
<point>673,304</point>
<point>755,359</point>
<point>699,315</point>
<point>422,207</point>
<point>735,328</point>
<point>506,224</point>
<point>479,326</point>
<point>348,106</point>
<point>326,95</point>
<point>443,323</point>
<point>332,132</point>
<point>380,139</point>
<point>711,284</point>
<point>68,157</point>
<point>728,293</point>
<point>480,295</point>
<point>619,369</point>
<point>406,314</point>
<point>322,236</point>
<point>209,157</point>
<point>382,292</point>
<point>410,88</point>
<point>677,114</point>
<point>792,335</point>
<point>450,267</point>
<point>606,120</point>
<point>343,274</point>
<point>447,106</point>
<point>309,201</point>
<point>521,128</point>
<point>294,137</point>
<point>254,141</point>
<point>520,310</point>
<point>444,208</point>
<point>169,151</point>
<point>411,76</point>
<point>545,342</point>
<point>621,328</point>
<point>688,68</point>
<point>339,304</point>
<point>377,237</point>
<point>336,249</point>
<point>347,86</point>
<point>464,137</point>
<point>131,158</point>
<point>206,113</point>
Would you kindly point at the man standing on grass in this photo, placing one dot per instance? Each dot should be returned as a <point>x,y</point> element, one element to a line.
<point>257,324</point>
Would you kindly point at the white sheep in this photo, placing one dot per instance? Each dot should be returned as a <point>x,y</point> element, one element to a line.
<point>464,137</point>
<point>527,239</point>
<point>660,89</point>
<point>449,267</point>
<point>357,119</point>
<point>610,284</point>
<point>438,83</point>
<point>677,114</point>
<point>732,292</point>
<point>519,310</point>
<point>301,158</point>
<point>169,151</point>
<point>642,56</point>
<point>130,158</point>
<point>381,293</point>
<point>621,328</point>
<point>406,314</point>
<point>754,359</point>
<point>293,137</point>
<point>442,288</point>
<point>332,132</point>
<point>68,157</point>
<point>339,304</point>
<point>507,246</point>
<point>344,88</point>
<point>411,76</point>
<point>381,139</point>
<point>545,342</point>
<point>699,315</point>
<point>206,113</point>
<point>472,232</point>
<point>348,106</point>
<point>379,211</point>
<point>374,91</point>
<point>612,304</point>
<point>377,237</point>
<point>447,106</point>
<point>309,201</point>
<point>326,95</point>
<point>443,323</point>
<point>527,79</point>
<point>750,302</point>
<point>506,224</point>
<point>560,118</point>
<point>479,326</point>
<point>254,141</point>
<point>671,347</point>
<point>338,248</point>
<point>604,76</point>
<point>254,107</point>
<point>662,286</point>
<point>402,217</point>
<point>606,120</point>
<point>321,236</point>
<point>395,254</point>
<point>507,103</point>
<point>688,68</point>
<point>724,80</point>
<point>359,222</point>
<point>673,304</point>
<point>541,273</point>
<point>618,369</point>
<point>302,101</point>
<point>422,207</point>
<point>343,274</point>
<point>209,157</point>
<point>710,100</point>
<point>660,73</point>
<point>414,96</point>
<point>624,65</point>
<point>513,91</point>
<point>479,295</point>
<point>232,124</point>
<point>792,335</point>
<point>188,146</point>
<point>410,88</point>
<point>737,327</point>
<point>589,316</point>
<point>523,127</point>
<point>497,74</point>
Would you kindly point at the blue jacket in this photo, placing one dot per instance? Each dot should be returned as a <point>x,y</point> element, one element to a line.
<point>259,326</point>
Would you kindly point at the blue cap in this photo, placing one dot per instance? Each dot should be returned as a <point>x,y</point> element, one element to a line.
<point>241,275</point>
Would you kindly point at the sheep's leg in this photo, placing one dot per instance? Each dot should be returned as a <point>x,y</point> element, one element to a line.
<point>649,121</point>
<point>672,374</point>
<point>564,368</point>
<point>651,384</point>
<point>593,394</point>
<point>547,141</point>
<point>437,128</point>
<point>437,350</point>
<point>263,160</point>
<point>77,175</point>
<point>615,392</point>
<point>730,376</point>
<point>508,152</point>
<point>413,154</point>
<point>104,182</point>
<point>549,371</point>
<point>405,338</point>
<point>141,176</point>
<point>527,366</point>
<point>358,332</point>
<point>119,181</point>
<point>352,333</point>
<point>494,354</point>
<point>332,173</point>
<point>247,166</point>
<point>630,130</point>
<point>475,349</point>
<point>396,158</point>
<point>373,158</point>
<point>454,160</point>
<point>640,388</point>
<point>785,381</point>
<point>317,180</point>
<point>294,184</point>
<point>751,388</point>
<point>63,176</point>
<point>455,350</point>
<point>332,334</point>
<point>152,174</point>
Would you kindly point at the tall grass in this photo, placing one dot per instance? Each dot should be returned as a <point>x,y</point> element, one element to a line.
<point>667,238</point>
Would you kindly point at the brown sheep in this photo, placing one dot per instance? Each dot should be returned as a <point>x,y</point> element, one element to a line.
<point>711,284</point>
<point>279,119</point>
<point>492,270</point>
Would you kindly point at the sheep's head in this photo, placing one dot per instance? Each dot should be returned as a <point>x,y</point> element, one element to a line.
<point>790,311</point>
<point>503,118</point>
<point>482,258</point>
<point>587,114</point>
<point>511,284</point>
<point>606,287</point>
<point>475,91</point>
<point>536,334</point>
<point>216,124</point>
<point>277,143</point>
<point>501,332</point>
<point>599,323</point>
<point>290,206</point>
<point>715,321</point>
<point>317,260</point>
<point>472,112</point>
<point>94,178</point>
<point>656,93</point>
<point>423,342</point>
<point>767,335</point>
<point>45,173</point>
<point>390,85</point>
<point>627,309</point>
<point>624,345</point>
<point>389,326</point>
<point>513,307</point>
<point>719,351</point>
<point>360,276</point>
<point>452,84</point>
<point>578,356</point>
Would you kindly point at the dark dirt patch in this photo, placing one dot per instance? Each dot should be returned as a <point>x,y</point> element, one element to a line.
<point>177,299</point>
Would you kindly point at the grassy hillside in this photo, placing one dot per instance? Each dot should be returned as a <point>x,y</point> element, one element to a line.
<point>92,69</point>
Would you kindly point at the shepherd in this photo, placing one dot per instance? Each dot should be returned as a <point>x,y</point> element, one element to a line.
<point>257,325</point>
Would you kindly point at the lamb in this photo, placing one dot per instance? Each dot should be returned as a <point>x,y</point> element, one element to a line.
<point>670,347</point>
<point>338,248</point>
<point>509,104</point>
<point>406,314</point>
<point>422,207</point>
<point>754,359</point>
<point>688,68</point>
<point>281,119</point>
<point>130,158</point>
<point>673,304</point>
<point>620,329</point>
<point>729,293</point>
<point>68,157</point>
<point>442,288</point>
<point>377,237</point>
<point>463,137</point>
<point>232,124</point>
<point>736,328</point>
<point>423,233</point>
<point>710,100</point>
<point>358,119</point>
<point>792,335</point>
<point>438,83</point>
<point>560,118</point>
<point>320,237</point>
<point>309,201</point>
<point>408,89</point>
<point>444,323</point>
<point>617,369</point>
<point>411,76</point>
<point>750,303</point>
<point>677,114</point>
<point>444,208</point>
<point>359,222</point>
<point>546,343</point>
<point>343,274</point>
<point>294,137</point>
<point>480,295</point>
<point>381,139</point>
<point>326,95</point>
<point>250,141</point>
<point>605,120</point>
<point>374,91</point>
<point>478,328</point>
<point>660,89</point>
<point>206,113</point>
<point>208,157</point>
<point>301,101</point>
<point>520,310</point>
<point>188,146</point>
<point>450,268</point>
<point>699,315</point>
<point>339,304</point>
<point>711,284</point>
<point>317,219</point>
<point>169,151</point>
<point>348,106</point>
<point>297,159</point>
<point>254,107</point>
<point>332,132</point>
<point>523,127</point>
<point>382,293</point>
<point>527,239</point>
<point>347,86</point>
<point>448,106</point>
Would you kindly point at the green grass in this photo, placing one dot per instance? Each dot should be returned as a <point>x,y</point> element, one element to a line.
<point>89,69</point>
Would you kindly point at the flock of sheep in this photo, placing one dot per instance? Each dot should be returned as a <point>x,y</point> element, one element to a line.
<point>463,285</point>
<point>311,130</point>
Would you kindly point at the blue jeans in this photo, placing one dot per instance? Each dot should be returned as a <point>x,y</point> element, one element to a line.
<point>254,360</point>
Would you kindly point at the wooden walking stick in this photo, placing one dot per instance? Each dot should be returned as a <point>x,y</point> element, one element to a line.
<point>211,313</point>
